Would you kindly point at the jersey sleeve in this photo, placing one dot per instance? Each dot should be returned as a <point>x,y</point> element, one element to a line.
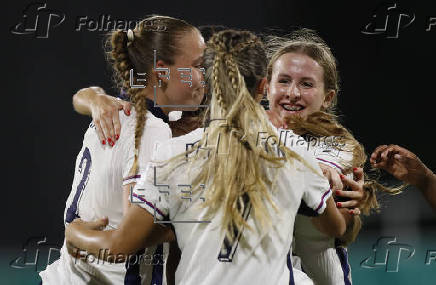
<point>327,152</point>
<point>317,189</point>
<point>151,135</point>
<point>150,193</point>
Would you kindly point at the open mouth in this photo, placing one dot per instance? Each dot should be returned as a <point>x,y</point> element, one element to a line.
<point>292,108</point>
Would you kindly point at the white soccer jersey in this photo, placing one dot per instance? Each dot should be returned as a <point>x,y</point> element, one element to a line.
<point>322,259</point>
<point>101,172</point>
<point>206,257</point>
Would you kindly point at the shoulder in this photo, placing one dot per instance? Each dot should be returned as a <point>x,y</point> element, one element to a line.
<point>174,146</point>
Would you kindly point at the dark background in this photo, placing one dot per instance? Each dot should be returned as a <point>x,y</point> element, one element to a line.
<point>388,91</point>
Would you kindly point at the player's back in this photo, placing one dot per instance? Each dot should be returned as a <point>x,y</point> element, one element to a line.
<point>97,191</point>
<point>207,258</point>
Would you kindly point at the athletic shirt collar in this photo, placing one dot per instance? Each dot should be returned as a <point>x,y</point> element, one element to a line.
<point>156,111</point>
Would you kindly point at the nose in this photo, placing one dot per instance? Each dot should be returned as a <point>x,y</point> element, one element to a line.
<point>293,91</point>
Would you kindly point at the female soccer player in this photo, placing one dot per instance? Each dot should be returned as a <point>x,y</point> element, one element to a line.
<point>302,88</point>
<point>103,175</point>
<point>232,198</point>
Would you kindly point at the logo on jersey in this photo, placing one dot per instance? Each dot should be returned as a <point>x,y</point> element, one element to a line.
<point>38,20</point>
<point>387,254</point>
<point>36,253</point>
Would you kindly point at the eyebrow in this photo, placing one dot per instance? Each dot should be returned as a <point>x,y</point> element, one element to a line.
<point>303,78</point>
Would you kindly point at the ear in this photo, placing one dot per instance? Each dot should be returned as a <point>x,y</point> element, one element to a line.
<point>329,96</point>
<point>261,89</point>
<point>162,72</point>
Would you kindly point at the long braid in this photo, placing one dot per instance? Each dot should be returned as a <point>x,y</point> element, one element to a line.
<point>153,33</point>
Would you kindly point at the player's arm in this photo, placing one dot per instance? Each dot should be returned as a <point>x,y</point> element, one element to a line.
<point>406,166</point>
<point>104,111</point>
<point>331,221</point>
<point>137,230</point>
<point>355,194</point>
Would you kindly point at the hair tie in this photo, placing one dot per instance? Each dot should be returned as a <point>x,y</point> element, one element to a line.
<point>130,35</point>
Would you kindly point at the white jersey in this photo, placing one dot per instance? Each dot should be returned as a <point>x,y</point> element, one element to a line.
<point>100,173</point>
<point>322,259</point>
<point>207,258</point>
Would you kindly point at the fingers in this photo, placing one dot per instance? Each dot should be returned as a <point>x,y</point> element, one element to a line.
<point>354,195</point>
<point>359,175</point>
<point>347,204</point>
<point>99,131</point>
<point>98,224</point>
<point>355,211</point>
<point>335,181</point>
<point>384,156</point>
<point>127,107</point>
<point>375,156</point>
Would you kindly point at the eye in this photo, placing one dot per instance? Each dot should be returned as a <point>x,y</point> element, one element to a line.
<point>283,80</point>
<point>307,84</point>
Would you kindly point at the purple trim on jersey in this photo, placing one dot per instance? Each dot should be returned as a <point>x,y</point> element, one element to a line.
<point>291,272</point>
<point>343,257</point>
<point>132,276</point>
<point>157,274</point>
<point>332,163</point>
<point>322,200</point>
<point>132,177</point>
<point>149,204</point>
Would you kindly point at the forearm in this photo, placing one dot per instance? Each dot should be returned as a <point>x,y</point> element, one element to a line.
<point>428,188</point>
<point>84,98</point>
<point>91,241</point>
<point>332,222</point>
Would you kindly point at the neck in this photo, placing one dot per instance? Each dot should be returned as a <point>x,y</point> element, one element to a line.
<point>274,119</point>
<point>161,98</point>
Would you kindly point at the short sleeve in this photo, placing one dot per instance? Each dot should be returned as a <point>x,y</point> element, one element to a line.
<point>149,192</point>
<point>327,152</point>
<point>151,135</point>
<point>317,189</point>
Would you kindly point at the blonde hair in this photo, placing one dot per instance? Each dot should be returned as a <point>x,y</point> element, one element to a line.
<point>306,41</point>
<point>325,123</point>
<point>236,62</point>
<point>156,32</point>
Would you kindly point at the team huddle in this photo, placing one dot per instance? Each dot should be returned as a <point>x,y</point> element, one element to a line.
<point>231,193</point>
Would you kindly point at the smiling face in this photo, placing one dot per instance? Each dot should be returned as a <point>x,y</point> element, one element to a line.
<point>297,87</point>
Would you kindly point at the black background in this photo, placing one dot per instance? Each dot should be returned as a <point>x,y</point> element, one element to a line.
<point>388,90</point>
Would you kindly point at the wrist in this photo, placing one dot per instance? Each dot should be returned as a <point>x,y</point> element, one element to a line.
<point>428,178</point>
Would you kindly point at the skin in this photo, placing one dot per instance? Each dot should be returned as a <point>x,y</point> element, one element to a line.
<point>104,109</point>
<point>297,88</point>
<point>406,166</point>
<point>297,81</point>
<point>128,238</point>
<point>93,100</point>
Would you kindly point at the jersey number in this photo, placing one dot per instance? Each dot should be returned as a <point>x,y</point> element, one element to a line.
<point>72,212</point>
<point>228,248</point>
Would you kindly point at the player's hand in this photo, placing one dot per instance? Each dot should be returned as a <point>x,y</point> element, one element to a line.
<point>401,163</point>
<point>355,191</point>
<point>74,229</point>
<point>332,176</point>
<point>104,111</point>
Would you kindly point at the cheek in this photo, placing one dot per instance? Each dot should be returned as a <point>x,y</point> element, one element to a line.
<point>273,96</point>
